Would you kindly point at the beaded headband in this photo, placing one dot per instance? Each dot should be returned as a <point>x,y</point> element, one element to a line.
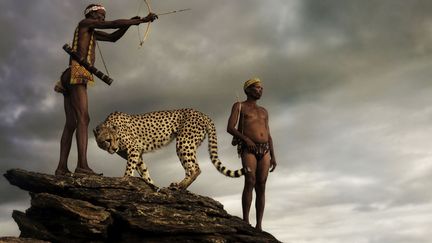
<point>93,8</point>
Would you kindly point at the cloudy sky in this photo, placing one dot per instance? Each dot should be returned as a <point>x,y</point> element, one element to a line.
<point>347,86</point>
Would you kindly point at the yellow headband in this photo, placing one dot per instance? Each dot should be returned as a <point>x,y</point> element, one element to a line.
<point>251,82</point>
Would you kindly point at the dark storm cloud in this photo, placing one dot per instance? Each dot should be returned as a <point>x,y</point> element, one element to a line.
<point>345,38</point>
<point>370,24</point>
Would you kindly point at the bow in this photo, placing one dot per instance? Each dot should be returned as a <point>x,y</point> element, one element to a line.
<point>147,31</point>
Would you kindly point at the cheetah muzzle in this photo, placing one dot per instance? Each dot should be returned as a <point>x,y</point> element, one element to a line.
<point>130,136</point>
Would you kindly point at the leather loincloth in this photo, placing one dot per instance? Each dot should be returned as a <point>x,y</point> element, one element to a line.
<point>261,149</point>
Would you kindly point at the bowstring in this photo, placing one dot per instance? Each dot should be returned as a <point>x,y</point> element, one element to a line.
<point>102,58</point>
<point>138,28</point>
<point>100,52</point>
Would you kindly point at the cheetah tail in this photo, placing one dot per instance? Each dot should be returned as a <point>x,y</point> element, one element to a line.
<point>213,151</point>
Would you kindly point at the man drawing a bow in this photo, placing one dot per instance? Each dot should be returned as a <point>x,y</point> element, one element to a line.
<point>74,80</point>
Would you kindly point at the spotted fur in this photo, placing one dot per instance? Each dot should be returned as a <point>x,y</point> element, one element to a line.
<point>130,136</point>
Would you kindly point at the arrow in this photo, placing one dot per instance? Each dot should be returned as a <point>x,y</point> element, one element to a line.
<point>175,11</point>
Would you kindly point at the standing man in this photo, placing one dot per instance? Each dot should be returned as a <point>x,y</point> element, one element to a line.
<point>255,147</point>
<point>74,80</point>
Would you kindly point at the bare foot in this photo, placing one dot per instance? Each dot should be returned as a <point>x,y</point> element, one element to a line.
<point>87,172</point>
<point>247,221</point>
<point>259,228</point>
<point>60,172</point>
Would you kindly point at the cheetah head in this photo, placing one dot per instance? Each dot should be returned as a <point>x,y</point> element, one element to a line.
<point>107,138</point>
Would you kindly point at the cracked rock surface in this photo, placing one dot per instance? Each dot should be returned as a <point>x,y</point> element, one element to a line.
<point>107,209</point>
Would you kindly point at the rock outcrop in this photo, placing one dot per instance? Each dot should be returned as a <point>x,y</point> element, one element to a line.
<point>105,209</point>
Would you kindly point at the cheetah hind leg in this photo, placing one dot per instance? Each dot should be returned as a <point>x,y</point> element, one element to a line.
<point>192,171</point>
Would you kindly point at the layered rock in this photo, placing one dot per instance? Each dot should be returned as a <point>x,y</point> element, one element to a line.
<point>106,209</point>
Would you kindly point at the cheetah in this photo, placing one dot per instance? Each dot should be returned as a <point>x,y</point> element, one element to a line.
<point>130,136</point>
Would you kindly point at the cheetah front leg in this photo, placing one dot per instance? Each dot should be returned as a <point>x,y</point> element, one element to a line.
<point>135,162</point>
<point>145,175</point>
<point>133,159</point>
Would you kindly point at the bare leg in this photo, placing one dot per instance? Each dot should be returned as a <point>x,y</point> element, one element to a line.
<point>66,139</point>
<point>261,179</point>
<point>80,105</point>
<point>249,161</point>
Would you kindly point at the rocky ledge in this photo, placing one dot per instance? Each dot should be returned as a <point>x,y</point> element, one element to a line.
<point>107,209</point>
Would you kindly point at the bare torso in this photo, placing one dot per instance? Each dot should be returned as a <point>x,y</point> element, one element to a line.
<point>253,122</point>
